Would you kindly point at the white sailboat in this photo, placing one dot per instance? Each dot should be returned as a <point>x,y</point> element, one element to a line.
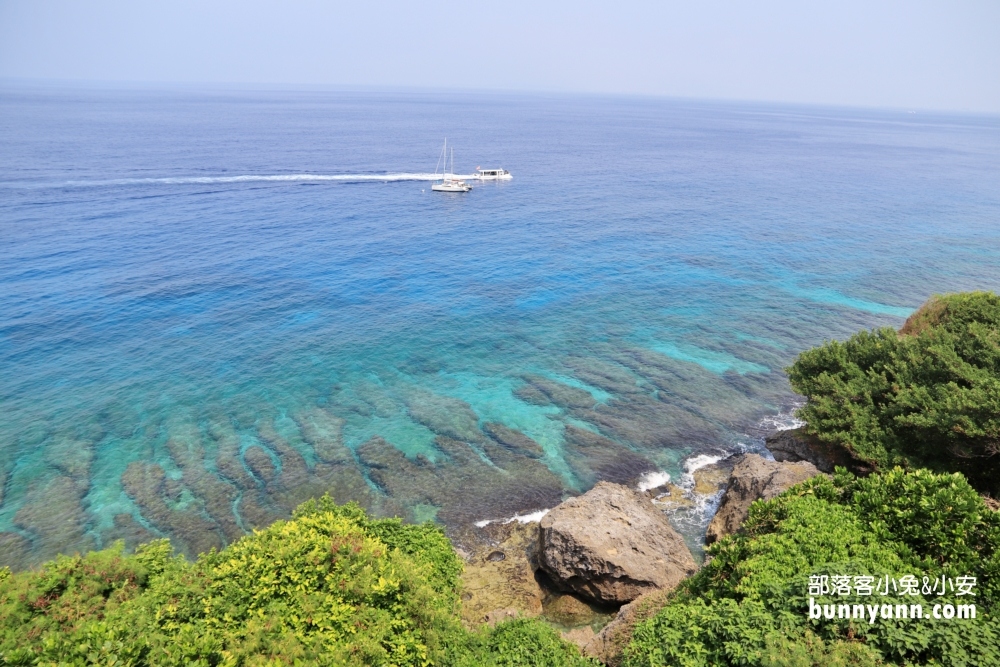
<point>450,182</point>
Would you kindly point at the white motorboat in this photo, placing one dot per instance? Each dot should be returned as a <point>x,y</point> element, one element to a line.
<point>492,174</point>
<point>449,181</point>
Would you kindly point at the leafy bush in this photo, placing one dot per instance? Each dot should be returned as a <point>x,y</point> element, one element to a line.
<point>330,587</point>
<point>749,604</point>
<point>928,396</point>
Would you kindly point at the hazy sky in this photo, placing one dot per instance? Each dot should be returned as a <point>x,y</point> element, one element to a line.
<point>910,54</point>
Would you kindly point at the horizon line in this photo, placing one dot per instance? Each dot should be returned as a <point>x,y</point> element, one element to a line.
<point>222,86</point>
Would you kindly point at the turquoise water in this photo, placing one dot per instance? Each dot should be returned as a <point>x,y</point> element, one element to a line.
<point>215,305</point>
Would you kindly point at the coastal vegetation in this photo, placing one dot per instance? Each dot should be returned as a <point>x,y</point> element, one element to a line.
<point>750,604</point>
<point>927,396</point>
<point>329,587</point>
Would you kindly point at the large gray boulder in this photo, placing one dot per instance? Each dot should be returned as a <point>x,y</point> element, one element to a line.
<point>611,545</point>
<point>754,478</point>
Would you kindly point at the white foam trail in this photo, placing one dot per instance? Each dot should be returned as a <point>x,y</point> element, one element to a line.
<point>533,517</point>
<point>652,480</point>
<point>267,178</point>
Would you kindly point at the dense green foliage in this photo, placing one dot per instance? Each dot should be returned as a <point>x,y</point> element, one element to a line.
<point>749,604</point>
<point>329,587</point>
<point>928,396</point>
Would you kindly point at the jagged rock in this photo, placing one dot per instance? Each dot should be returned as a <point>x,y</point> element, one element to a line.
<point>491,583</point>
<point>611,545</point>
<point>608,644</point>
<point>753,478</point>
<point>579,636</point>
<point>796,445</point>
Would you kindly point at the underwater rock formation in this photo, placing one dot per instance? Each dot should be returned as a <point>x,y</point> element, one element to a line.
<point>444,415</point>
<point>227,456</point>
<point>260,464</point>
<point>216,495</point>
<point>336,471</point>
<point>594,457</point>
<point>53,514</point>
<point>127,529</point>
<point>610,377</point>
<point>144,483</point>
<point>611,545</point>
<point>16,551</point>
<point>543,391</point>
<point>515,441</point>
<point>465,484</point>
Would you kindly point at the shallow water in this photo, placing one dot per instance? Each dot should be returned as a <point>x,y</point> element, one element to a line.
<point>215,305</point>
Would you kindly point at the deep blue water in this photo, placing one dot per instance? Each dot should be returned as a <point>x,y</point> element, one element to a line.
<point>644,278</point>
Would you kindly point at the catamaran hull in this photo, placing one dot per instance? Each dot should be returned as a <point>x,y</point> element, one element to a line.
<point>441,187</point>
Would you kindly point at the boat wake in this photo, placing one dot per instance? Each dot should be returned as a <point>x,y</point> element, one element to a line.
<point>250,178</point>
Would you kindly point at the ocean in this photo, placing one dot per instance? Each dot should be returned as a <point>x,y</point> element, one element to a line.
<point>217,304</point>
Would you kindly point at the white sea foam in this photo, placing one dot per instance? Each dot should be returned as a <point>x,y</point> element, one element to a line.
<point>700,461</point>
<point>651,480</point>
<point>693,519</point>
<point>265,178</point>
<point>532,517</point>
<point>696,463</point>
<point>783,421</point>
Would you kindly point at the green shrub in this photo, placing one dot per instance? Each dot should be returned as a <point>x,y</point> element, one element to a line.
<point>749,604</point>
<point>329,587</point>
<point>928,396</point>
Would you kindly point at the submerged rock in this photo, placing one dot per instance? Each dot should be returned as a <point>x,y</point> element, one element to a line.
<point>145,484</point>
<point>568,610</point>
<point>543,391</point>
<point>515,441</point>
<point>451,417</point>
<point>753,478</point>
<point>594,457</point>
<point>611,545</point>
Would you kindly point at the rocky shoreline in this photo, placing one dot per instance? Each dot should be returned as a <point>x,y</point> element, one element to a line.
<point>597,564</point>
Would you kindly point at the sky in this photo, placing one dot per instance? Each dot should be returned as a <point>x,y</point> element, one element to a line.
<point>911,54</point>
